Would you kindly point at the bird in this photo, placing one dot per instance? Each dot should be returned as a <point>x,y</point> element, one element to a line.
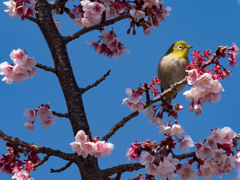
<point>172,67</point>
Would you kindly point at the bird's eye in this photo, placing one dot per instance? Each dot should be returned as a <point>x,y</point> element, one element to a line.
<point>180,47</point>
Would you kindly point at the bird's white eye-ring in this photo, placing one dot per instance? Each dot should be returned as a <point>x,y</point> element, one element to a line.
<point>180,47</point>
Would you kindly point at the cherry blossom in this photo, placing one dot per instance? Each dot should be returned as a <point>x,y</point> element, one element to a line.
<point>146,158</point>
<point>187,172</point>
<point>185,143</point>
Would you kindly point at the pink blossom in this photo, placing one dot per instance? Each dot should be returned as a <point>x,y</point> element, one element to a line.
<point>81,137</point>
<point>11,8</point>
<point>85,4</point>
<point>172,160</point>
<point>151,3</point>
<point>29,63</point>
<point>228,165</point>
<point>89,147</point>
<point>8,80</point>
<point>6,69</point>
<point>215,97</point>
<point>219,156</point>
<point>134,96</point>
<point>208,170</point>
<point>165,168</point>
<point>211,142</point>
<point>108,148</point>
<point>205,152</point>
<point>146,158</point>
<point>226,135</point>
<point>95,45</point>
<point>108,36</point>
<point>177,130</point>
<point>43,113</point>
<point>31,9</point>
<point>187,172</point>
<point>96,9</point>
<point>100,149</point>
<point>21,175</point>
<point>198,107</point>
<point>166,11</point>
<point>152,169</point>
<point>156,121</point>
<point>31,114</point>
<point>50,121</point>
<point>147,30</point>
<point>22,10</point>
<point>149,111</point>
<point>78,22</point>
<point>204,81</point>
<point>19,56</point>
<point>185,143</point>
<point>164,129</point>
<point>29,125</point>
<point>57,24</point>
<point>193,75</point>
<point>32,72</point>
<point>134,107</point>
<point>216,87</point>
<point>136,14</point>
<point>110,12</point>
<point>77,146</point>
<point>85,22</point>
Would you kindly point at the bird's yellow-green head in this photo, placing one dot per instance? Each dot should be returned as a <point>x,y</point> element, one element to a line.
<point>180,49</point>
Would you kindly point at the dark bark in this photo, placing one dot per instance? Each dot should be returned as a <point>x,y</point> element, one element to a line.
<point>88,167</point>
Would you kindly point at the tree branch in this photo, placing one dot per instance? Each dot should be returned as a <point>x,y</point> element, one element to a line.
<point>95,27</point>
<point>66,156</point>
<point>119,125</point>
<point>60,114</point>
<point>46,68</point>
<point>83,90</point>
<point>41,162</point>
<point>61,169</point>
<point>58,3</point>
<point>33,19</point>
<point>121,168</point>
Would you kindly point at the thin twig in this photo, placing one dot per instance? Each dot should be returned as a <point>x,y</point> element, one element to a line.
<point>147,92</point>
<point>60,114</point>
<point>31,18</point>
<point>39,149</point>
<point>120,169</point>
<point>46,68</point>
<point>41,162</point>
<point>95,27</point>
<point>119,125</point>
<point>118,176</point>
<point>61,169</point>
<point>96,83</point>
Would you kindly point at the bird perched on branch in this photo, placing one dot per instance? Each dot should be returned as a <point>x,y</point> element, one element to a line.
<point>172,66</point>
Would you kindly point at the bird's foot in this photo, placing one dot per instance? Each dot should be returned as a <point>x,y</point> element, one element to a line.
<point>173,87</point>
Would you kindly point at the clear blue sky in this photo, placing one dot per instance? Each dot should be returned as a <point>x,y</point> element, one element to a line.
<point>203,24</point>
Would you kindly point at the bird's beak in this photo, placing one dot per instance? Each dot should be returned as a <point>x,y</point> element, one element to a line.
<point>189,47</point>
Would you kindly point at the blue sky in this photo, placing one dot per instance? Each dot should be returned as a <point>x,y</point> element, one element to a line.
<point>203,24</point>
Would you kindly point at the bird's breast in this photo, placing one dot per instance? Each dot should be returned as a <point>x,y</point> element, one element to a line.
<point>171,69</point>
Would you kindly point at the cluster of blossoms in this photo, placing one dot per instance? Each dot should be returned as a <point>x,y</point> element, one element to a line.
<point>19,8</point>
<point>110,45</point>
<point>85,146</point>
<point>44,113</point>
<point>134,99</point>
<point>89,13</point>
<point>12,164</point>
<point>159,161</point>
<point>218,149</point>
<point>205,83</point>
<point>204,88</point>
<point>22,70</point>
